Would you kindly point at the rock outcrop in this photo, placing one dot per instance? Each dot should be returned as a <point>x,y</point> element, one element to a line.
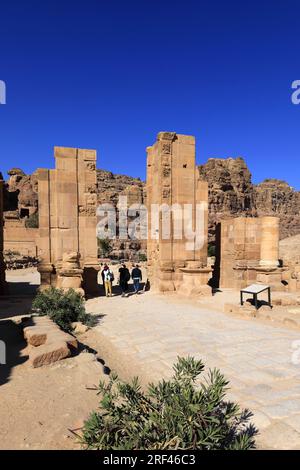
<point>47,343</point>
<point>112,185</point>
<point>276,197</point>
<point>231,194</point>
<point>289,249</point>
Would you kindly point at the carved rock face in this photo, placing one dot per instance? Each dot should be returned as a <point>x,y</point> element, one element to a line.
<point>71,257</point>
<point>231,193</point>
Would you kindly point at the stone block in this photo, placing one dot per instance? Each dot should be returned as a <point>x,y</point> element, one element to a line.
<point>48,353</point>
<point>79,328</point>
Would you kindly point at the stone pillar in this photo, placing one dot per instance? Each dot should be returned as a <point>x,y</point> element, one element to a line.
<point>2,265</point>
<point>46,267</point>
<point>249,253</point>
<point>269,254</point>
<point>67,215</point>
<point>239,252</point>
<point>173,183</point>
<point>87,218</point>
<point>70,273</point>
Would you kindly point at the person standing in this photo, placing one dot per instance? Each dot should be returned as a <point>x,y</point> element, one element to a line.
<point>136,275</point>
<point>108,278</point>
<point>124,278</point>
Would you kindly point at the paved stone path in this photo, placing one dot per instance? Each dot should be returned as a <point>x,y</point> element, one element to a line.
<point>153,330</point>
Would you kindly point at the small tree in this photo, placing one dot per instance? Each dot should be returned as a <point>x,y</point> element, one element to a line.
<point>211,250</point>
<point>142,257</point>
<point>62,307</point>
<point>105,246</point>
<point>180,413</point>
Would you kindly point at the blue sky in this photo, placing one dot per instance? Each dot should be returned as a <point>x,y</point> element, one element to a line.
<point>111,74</point>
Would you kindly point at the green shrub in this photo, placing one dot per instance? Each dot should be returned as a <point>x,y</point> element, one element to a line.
<point>180,413</point>
<point>63,308</point>
<point>32,221</point>
<point>105,247</point>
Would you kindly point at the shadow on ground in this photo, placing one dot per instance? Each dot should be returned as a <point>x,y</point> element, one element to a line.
<point>11,346</point>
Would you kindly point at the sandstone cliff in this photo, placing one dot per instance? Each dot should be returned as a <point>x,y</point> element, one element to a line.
<point>230,190</point>
<point>231,194</point>
<point>276,197</point>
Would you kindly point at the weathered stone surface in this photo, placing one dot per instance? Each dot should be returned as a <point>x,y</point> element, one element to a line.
<point>67,220</point>
<point>276,197</point>
<point>70,273</point>
<point>79,327</point>
<point>21,193</point>
<point>232,193</point>
<point>110,188</point>
<point>36,336</point>
<point>174,262</point>
<point>47,342</point>
<point>48,353</point>
<point>230,190</point>
<point>2,267</point>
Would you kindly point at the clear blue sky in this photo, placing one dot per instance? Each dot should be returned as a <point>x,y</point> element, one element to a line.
<point>111,74</point>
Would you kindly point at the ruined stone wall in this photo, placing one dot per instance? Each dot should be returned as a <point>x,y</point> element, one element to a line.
<point>2,268</point>
<point>249,253</point>
<point>231,194</point>
<point>289,252</point>
<point>21,240</point>
<point>240,251</point>
<point>67,215</point>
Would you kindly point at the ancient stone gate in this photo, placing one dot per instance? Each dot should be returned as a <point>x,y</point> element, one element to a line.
<point>67,219</point>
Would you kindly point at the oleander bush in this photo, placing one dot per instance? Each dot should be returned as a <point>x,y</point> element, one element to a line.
<point>63,308</point>
<point>181,413</point>
<point>32,221</point>
<point>211,250</point>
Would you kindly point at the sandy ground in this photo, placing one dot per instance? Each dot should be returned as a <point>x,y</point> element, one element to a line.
<point>40,406</point>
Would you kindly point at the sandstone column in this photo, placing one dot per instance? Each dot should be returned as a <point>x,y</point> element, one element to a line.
<point>269,254</point>
<point>2,266</point>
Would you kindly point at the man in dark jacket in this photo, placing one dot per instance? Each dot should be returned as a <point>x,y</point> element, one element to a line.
<point>136,275</point>
<point>124,276</point>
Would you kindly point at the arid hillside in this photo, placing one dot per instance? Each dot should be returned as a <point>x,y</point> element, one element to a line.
<point>231,194</point>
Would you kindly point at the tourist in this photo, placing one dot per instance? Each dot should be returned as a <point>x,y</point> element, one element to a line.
<point>108,277</point>
<point>136,275</point>
<point>124,278</point>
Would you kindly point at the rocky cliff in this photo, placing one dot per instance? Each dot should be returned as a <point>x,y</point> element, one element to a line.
<point>276,197</point>
<point>232,194</point>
